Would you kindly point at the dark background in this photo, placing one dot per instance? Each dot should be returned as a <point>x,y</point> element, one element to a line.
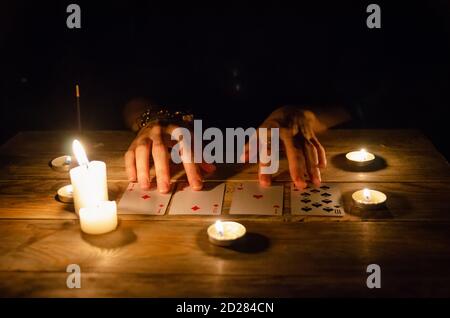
<point>231,63</point>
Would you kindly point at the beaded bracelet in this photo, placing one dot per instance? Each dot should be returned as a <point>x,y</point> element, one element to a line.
<point>163,116</point>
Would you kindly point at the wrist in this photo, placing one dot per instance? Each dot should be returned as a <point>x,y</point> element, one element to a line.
<point>158,115</point>
<point>133,109</point>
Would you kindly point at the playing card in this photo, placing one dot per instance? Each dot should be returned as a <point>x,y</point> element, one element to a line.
<point>324,200</point>
<point>137,201</point>
<point>208,201</point>
<point>251,198</point>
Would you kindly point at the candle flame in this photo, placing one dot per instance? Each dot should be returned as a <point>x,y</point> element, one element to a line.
<point>219,227</point>
<point>363,154</point>
<point>68,160</point>
<point>366,194</point>
<point>80,154</point>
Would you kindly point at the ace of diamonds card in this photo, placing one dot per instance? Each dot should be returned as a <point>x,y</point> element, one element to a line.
<point>208,201</point>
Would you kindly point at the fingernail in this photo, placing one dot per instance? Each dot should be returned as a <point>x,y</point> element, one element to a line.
<point>164,187</point>
<point>316,181</point>
<point>264,182</point>
<point>197,185</point>
<point>300,184</point>
<point>212,168</point>
<point>145,185</point>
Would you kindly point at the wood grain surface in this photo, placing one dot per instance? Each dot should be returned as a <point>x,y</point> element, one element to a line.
<point>170,256</point>
<point>276,259</point>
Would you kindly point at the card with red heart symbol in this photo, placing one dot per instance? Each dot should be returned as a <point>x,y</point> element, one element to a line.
<point>137,201</point>
<point>251,198</point>
<point>208,201</point>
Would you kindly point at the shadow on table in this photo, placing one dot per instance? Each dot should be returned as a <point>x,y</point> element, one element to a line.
<point>395,199</point>
<point>341,162</point>
<point>67,206</point>
<point>251,243</point>
<point>118,238</point>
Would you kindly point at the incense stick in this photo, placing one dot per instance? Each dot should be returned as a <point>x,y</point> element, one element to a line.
<point>77,95</point>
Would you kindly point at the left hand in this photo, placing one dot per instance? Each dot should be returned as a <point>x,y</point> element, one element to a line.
<point>305,154</point>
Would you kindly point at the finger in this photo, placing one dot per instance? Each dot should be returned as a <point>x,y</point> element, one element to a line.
<point>142,163</point>
<point>130,165</point>
<point>265,180</point>
<point>296,161</point>
<point>192,169</point>
<point>161,161</point>
<point>312,162</point>
<point>208,167</point>
<point>246,156</point>
<point>193,175</point>
<point>321,153</point>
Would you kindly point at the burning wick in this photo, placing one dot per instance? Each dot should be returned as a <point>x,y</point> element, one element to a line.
<point>225,233</point>
<point>80,154</point>
<point>363,155</point>
<point>366,195</point>
<point>369,199</point>
<point>219,227</point>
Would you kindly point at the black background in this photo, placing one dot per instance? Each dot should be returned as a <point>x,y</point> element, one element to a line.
<point>231,62</point>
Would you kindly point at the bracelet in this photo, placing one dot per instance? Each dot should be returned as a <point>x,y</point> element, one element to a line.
<point>163,116</point>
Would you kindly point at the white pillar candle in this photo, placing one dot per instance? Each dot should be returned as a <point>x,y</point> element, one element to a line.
<point>225,233</point>
<point>99,219</point>
<point>360,158</point>
<point>369,199</point>
<point>88,180</point>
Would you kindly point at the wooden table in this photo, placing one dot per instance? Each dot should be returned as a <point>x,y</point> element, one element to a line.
<point>286,256</point>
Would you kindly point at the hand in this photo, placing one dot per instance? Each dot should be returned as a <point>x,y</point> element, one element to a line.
<point>304,152</point>
<point>156,139</point>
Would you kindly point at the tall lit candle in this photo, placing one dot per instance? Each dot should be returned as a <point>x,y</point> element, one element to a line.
<point>99,219</point>
<point>88,180</point>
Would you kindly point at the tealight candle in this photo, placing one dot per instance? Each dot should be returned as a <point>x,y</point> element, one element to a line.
<point>225,233</point>
<point>61,163</point>
<point>65,194</point>
<point>99,219</point>
<point>369,199</point>
<point>361,157</point>
<point>88,180</point>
